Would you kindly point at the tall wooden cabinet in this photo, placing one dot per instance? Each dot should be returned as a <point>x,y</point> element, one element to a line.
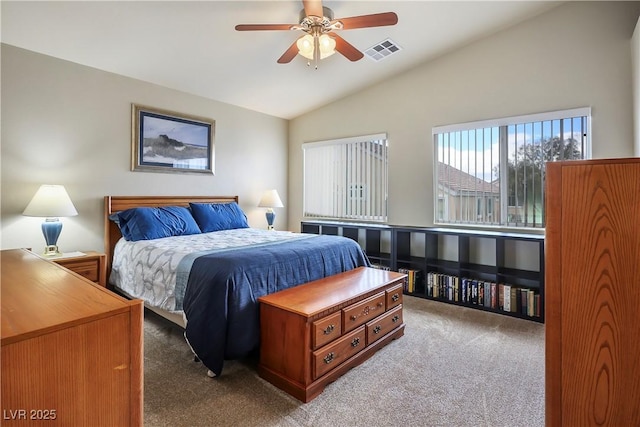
<point>71,350</point>
<point>593,293</point>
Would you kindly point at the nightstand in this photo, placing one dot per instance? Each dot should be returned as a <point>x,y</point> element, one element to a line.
<point>93,266</point>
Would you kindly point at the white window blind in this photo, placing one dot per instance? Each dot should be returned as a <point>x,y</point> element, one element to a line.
<point>346,178</point>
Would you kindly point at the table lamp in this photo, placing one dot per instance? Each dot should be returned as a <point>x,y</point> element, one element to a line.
<point>51,202</point>
<point>270,200</point>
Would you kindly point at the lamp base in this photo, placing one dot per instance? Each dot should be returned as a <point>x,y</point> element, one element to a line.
<point>51,250</point>
<point>51,229</point>
<point>270,217</point>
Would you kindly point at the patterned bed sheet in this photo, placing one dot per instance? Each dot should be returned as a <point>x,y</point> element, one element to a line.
<point>157,271</point>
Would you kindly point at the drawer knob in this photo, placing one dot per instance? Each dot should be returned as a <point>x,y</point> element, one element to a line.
<point>329,358</point>
<point>395,297</point>
<point>377,329</point>
<point>329,329</point>
<point>380,304</point>
<point>395,318</point>
<point>355,342</point>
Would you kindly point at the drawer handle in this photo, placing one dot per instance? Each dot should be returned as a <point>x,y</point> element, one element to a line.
<point>329,358</point>
<point>395,318</point>
<point>377,329</point>
<point>329,329</point>
<point>395,297</point>
<point>355,342</point>
<point>367,310</point>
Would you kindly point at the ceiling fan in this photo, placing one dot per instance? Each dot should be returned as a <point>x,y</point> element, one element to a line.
<point>320,39</point>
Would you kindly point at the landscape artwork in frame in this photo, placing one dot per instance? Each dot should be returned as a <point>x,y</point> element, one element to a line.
<point>164,141</point>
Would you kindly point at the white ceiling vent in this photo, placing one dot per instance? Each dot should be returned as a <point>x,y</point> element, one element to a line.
<point>382,50</point>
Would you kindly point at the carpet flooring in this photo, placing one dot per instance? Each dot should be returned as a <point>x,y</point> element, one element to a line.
<point>454,366</point>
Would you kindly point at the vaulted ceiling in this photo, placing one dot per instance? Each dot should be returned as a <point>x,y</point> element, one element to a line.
<point>193,46</point>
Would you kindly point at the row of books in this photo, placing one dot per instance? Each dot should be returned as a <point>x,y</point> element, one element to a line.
<point>414,279</point>
<point>497,296</point>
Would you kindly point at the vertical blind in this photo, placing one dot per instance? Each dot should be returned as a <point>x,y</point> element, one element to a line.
<point>346,178</point>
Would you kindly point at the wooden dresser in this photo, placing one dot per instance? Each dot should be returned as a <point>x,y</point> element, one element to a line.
<point>313,333</point>
<point>593,293</point>
<point>71,350</point>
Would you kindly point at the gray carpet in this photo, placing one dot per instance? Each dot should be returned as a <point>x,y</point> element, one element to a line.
<point>453,367</point>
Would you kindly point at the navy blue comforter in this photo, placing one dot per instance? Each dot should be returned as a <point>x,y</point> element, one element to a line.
<point>221,298</point>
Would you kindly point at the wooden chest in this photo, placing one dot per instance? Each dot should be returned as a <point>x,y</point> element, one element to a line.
<point>313,333</point>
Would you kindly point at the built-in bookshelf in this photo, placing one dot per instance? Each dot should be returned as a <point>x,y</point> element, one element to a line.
<point>375,239</point>
<point>500,272</point>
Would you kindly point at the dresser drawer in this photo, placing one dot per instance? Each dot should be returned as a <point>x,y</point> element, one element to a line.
<point>381,326</point>
<point>360,313</point>
<point>332,355</point>
<point>394,296</point>
<point>326,329</point>
<point>88,269</point>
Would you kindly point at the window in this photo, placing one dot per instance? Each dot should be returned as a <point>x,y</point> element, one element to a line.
<point>492,172</point>
<point>346,178</point>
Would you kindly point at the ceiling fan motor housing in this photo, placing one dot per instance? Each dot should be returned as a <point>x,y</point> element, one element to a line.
<point>316,25</point>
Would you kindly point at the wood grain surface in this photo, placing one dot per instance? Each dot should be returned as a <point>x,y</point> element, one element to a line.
<point>593,296</point>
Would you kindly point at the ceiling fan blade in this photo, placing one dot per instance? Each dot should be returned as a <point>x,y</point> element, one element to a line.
<point>313,7</point>
<point>365,21</point>
<point>346,48</point>
<point>289,54</point>
<point>260,27</point>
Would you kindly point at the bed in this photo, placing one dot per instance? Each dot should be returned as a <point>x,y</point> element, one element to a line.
<point>206,275</point>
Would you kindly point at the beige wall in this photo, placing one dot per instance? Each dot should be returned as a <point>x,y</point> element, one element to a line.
<point>635,55</point>
<point>576,55</point>
<point>64,123</point>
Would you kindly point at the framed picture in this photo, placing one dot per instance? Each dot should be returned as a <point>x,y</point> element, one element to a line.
<point>164,141</point>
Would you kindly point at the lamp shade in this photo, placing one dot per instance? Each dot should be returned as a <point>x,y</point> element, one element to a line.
<point>270,199</point>
<point>50,201</point>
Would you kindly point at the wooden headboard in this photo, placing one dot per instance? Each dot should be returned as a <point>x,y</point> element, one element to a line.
<point>113,204</point>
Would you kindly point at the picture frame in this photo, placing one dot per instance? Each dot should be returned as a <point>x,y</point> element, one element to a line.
<point>167,141</point>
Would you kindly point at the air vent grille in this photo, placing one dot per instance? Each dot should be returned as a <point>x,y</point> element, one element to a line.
<point>382,50</point>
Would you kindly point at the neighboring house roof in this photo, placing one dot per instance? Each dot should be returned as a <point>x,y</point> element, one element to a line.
<point>458,181</point>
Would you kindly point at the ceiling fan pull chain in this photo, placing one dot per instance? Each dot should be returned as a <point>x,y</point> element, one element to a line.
<point>316,49</point>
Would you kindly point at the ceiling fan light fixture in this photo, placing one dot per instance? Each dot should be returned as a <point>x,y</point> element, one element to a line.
<point>305,46</point>
<point>326,45</point>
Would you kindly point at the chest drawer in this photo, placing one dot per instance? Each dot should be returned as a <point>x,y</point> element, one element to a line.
<point>360,313</point>
<point>330,356</point>
<point>381,326</point>
<point>394,296</point>
<point>326,329</point>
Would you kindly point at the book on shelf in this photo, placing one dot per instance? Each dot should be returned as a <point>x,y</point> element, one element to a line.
<point>493,287</point>
<point>514,300</point>
<point>506,304</point>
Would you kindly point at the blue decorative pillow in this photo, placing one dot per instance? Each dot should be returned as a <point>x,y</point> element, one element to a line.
<point>218,216</point>
<point>155,223</point>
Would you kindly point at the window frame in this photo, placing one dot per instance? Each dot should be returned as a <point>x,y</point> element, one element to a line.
<point>501,124</point>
